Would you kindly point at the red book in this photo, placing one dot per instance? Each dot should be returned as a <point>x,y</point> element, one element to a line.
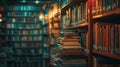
<point>107,37</point>
<point>112,38</point>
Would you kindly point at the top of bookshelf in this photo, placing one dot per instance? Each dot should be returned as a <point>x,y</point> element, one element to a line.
<point>70,4</point>
<point>111,16</point>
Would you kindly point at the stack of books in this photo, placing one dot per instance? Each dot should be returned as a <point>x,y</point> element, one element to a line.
<point>67,51</point>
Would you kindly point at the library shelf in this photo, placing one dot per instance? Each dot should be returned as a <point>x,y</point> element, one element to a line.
<point>22,10</point>
<point>23,35</point>
<point>80,25</point>
<point>22,17</point>
<point>22,22</point>
<point>23,28</point>
<point>30,55</point>
<point>73,54</point>
<point>28,47</point>
<point>70,4</point>
<point>110,15</point>
<point>2,27</point>
<point>109,55</point>
<point>25,41</point>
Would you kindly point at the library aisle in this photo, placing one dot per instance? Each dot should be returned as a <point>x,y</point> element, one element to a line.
<point>59,33</point>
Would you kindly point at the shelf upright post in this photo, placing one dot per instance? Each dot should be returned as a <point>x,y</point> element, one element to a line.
<point>90,33</point>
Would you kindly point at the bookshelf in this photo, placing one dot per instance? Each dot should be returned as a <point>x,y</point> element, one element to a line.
<point>105,30</point>
<point>24,36</point>
<point>2,38</point>
<point>72,42</point>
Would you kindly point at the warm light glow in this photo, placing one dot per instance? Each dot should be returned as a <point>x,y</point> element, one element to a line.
<point>41,16</point>
<point>1,20</point>
<point>52,12</point>
<point>56,25</point>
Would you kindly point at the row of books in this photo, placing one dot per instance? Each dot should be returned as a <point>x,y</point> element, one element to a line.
<point>27,51</point>
<point>22,20</point>
<point>106,37</point>
<point>100,6</point>
<point>24,7</point>
<point>27,45</point>
<point>23,14</point>
<point>29,26</point>
<point>24,38</point>
<point>104,62</point>
<point>24,32</point>
<point>29,59</point>
<point>24,64</point>
<point>75,15</point>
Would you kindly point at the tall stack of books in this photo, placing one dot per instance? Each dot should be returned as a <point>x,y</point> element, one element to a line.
<point>67,51</point>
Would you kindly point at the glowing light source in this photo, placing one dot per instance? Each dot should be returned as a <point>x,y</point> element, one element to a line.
<point>36,2</point>
<point>1,20</point>
<point>41,16</point>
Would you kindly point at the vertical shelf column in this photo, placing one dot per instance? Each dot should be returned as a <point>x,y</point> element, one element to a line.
<point>90,33</point>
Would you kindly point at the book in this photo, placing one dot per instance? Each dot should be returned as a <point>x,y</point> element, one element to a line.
<point>71,43</point>
<point>71,47</point>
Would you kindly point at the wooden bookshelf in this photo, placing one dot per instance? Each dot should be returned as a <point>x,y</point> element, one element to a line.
<point>109,55</point>
<point>110,15</point>
<point>70,4</point>
<point>81,25</point>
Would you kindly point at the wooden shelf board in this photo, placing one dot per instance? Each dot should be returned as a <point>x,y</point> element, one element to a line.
<point>73,54</point>
<point>84,24</point>
<point>103,53</point>
<point>113,13</point>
